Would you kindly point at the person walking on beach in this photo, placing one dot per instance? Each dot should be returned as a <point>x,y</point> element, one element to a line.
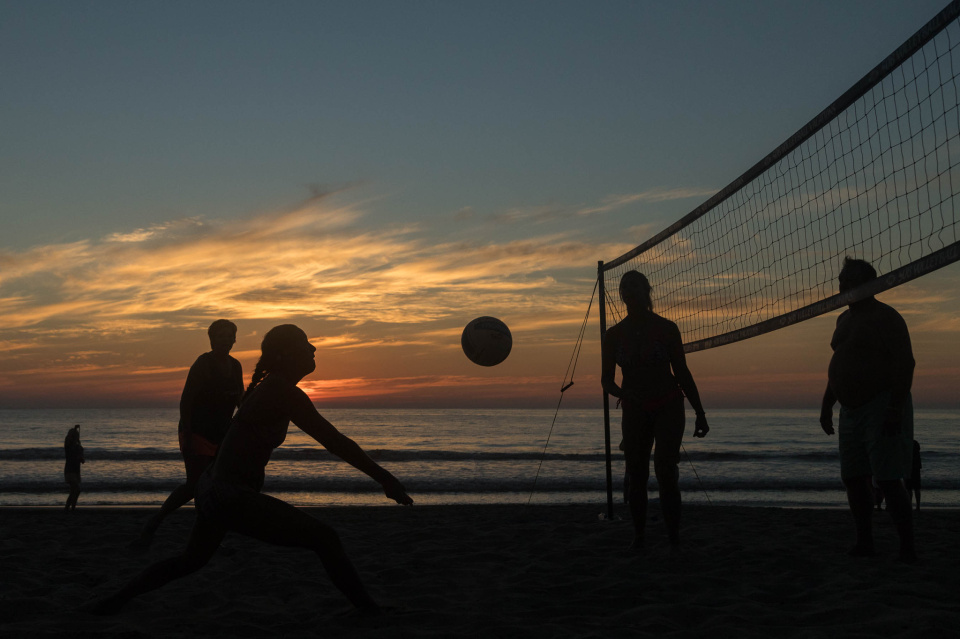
<point>870,374</point>
<point>71,470</point>
<point>228,494</point>
<point>211,393</point>
<point>647,346</point>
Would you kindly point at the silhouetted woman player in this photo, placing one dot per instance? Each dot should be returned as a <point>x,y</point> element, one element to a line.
<point>646,347</point>
<point>228,494</point>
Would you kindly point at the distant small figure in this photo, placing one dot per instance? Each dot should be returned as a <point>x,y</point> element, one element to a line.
<point>71,470</point>
<point>649,350</point>
<point>211,393</point>
<point>913,482</point>
<point>870,374</point>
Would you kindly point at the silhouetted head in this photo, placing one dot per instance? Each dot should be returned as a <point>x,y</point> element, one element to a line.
<point>635,292</point>
<point>286,350</point>
<point>854,273</point>
<point>223,335</point>
<point>73,434</point>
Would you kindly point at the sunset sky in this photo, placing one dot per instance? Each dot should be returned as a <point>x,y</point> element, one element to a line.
<point>380,173</point>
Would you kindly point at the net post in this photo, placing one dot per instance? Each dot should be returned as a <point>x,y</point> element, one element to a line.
<point>606,396</point>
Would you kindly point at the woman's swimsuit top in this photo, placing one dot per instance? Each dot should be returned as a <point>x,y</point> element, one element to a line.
<point>644,351</point>
<point>259,427</point>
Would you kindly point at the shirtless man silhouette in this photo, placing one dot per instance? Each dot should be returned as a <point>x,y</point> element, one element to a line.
<point>870,374</point>
<point>211,393</point>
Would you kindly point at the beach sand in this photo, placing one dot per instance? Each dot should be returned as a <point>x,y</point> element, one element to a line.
<point>494,571</point>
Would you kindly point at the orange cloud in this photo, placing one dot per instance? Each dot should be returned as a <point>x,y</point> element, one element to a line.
<point>118,320</point>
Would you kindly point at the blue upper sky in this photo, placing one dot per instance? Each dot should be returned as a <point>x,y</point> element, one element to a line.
<point>118,115</point>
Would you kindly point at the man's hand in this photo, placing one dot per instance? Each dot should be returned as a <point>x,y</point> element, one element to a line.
<point>701,428</point>
<point>826,421</point>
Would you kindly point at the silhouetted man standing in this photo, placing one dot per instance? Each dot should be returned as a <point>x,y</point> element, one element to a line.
<point>870,374</point>
<point>211,393</point>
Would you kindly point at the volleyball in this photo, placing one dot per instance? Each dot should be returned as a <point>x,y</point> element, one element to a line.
<point>486,341</point>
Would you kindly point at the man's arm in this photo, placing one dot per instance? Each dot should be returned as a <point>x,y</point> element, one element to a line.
<point>826,410</point>
<point>829,397</point>
<point>191,389</point>
<point>901,355</point>
<point>902,364</point>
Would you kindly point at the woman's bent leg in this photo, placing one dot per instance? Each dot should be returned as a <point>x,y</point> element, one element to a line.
<point>277,522</point>
<point>204,540</point>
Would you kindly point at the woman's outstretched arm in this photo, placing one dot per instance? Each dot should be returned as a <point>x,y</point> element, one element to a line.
<point>306,417</point>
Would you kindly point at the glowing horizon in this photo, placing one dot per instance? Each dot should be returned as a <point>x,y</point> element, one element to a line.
<point>118,321</point>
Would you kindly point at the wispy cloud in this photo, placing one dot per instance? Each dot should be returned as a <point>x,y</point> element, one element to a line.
<point>615,202</point>
<point>552,212</point>
<point>311,262</point>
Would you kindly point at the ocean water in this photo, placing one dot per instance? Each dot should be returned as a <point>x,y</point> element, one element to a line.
<point>753,457</point>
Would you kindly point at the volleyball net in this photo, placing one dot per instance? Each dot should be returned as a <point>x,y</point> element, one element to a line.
<point>873,176</point>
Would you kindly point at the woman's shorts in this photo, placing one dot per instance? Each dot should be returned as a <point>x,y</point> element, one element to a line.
<point>220,500</point>
<point>642,428</point>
